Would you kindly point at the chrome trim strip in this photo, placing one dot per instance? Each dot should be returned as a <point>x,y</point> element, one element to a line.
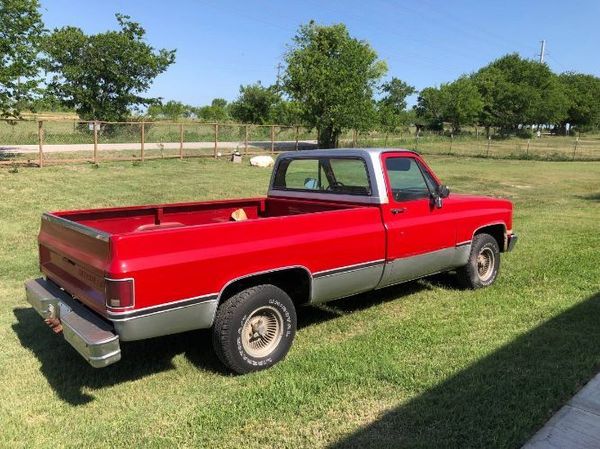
<point>109,308</point>
<point>348,268</point>
<point>114,316</point>
<point>466,242</point>
<point>78,227</point>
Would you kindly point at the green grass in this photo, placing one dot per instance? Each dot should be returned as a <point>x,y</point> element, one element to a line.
<point>419,365</point>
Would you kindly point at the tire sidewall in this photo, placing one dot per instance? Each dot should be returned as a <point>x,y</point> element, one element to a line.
<point>482,242</point>
<point>270,296</point>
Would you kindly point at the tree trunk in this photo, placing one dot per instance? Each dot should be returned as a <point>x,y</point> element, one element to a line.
<point>328,137</point>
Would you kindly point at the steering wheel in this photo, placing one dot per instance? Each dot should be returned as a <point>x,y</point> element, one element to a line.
<point>335,185</point>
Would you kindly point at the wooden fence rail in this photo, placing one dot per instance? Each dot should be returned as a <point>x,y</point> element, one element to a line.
<point>268,139</point>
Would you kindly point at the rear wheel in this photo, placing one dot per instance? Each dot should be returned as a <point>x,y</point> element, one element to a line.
<point>484,263</point>
<point>254,329</point>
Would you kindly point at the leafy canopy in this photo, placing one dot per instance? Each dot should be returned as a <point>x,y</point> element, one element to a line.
<point>583,93</point>
<point>391,108</point>
<point>518,91</point>
<point>21,30</point>
<point>103,76</point>
<point>255,104</point>
<point>332,76</point>
<point>461,103</point>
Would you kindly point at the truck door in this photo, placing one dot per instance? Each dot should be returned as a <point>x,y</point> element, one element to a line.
<point>421,237</point>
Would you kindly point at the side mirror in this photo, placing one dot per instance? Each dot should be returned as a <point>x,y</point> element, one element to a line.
<point>443,191</point>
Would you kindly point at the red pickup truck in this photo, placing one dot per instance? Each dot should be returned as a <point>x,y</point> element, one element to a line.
<point>334,223</point>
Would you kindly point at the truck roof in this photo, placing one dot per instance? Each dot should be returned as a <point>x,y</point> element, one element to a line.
<point>361,152</point>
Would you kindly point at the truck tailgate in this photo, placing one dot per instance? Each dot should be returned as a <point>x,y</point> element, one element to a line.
<point>75,257</point>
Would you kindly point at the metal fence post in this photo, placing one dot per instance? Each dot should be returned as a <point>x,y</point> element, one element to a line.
<point>246,139</point>
<point>297,134</point>
<point>451,140</point>
<point>575,147</point>
<point>216,140</point>
<point>181,141</point>
<point>527,151</point>
<point>41,142</point>
<point>354,138</point>
<point>143,139</point>
<point>95,142</point>
<point>272,139</point>
<point>487,154</point>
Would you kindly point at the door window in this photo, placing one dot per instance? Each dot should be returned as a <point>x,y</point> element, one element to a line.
<point>406,179</point>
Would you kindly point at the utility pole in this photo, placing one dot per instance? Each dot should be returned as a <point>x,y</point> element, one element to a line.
<point>542,51</point>
<point>279,67</point>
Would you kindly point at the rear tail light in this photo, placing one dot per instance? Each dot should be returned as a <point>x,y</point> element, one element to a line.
<point>119,293</point>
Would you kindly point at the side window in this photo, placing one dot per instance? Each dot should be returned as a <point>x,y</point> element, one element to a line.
<point>431,182</point>
<point>406,180</point>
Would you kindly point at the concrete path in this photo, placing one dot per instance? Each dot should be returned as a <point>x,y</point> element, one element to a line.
<point>576,425</point>
<point>66,148</point>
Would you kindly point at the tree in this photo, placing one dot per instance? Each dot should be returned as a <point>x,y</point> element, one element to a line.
<point>430,109</point>
<point>286,112</point>
<point>255,104</point>
<point>517,91</point>
<point>332,76</point>
<point>461,103</point>
<point>21,30</point>
<point>171,110</point>
<point>217,111</point>
<point>391,108</point>
<point>583,93</point>
<point>103,76</point>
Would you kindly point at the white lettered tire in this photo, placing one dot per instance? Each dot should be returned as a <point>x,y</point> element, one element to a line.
<point>254,329</point>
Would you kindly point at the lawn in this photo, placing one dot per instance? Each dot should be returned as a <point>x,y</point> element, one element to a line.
<point>419,365</point>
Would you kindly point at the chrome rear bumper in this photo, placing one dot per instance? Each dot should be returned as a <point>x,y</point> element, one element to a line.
<point>90,335</point>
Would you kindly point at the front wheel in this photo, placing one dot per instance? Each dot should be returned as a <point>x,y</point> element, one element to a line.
<point>484,263</point>
<point>254,329</point>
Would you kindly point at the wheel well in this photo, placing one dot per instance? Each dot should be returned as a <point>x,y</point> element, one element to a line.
<point>296,282</point>
<point>498,231</point>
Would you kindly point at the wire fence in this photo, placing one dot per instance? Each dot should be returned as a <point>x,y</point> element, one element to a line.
<point>55,141</point>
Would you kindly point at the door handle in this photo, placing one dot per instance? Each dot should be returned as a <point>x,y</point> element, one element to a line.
<point>398,210</point>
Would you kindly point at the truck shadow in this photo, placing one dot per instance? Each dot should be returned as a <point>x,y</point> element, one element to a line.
<point>70,376</point>
<point>311,315</point>
<point>502,399</point>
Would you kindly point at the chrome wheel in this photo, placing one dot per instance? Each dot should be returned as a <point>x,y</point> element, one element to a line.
<point>262,332</point>
<point>485,264</point>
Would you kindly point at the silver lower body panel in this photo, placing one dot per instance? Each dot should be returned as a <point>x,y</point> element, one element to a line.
<point>348,281</point>
<point>409,268</point>
<point>199,315</point>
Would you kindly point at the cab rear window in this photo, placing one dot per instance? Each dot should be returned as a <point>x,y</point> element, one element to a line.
<point>347,176</point>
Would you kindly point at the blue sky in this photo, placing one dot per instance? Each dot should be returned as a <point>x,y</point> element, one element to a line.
<point>222,44</point>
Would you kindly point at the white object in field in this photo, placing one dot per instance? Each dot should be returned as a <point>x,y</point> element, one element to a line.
<point>219,154</point>
<point>262,161</point>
